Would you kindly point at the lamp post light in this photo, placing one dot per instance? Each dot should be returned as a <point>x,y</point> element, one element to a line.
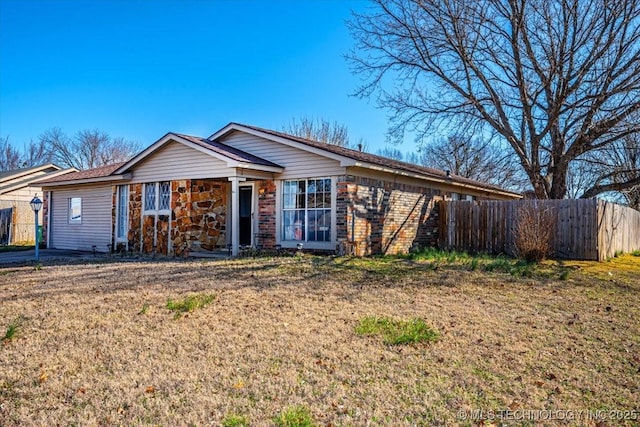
<point>36,204</point>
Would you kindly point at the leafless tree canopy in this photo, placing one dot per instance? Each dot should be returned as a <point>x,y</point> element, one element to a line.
<point>9,155</point>
<point>474,158</point>
<point>87,149</point>
<point>555,79</point>
<point>319,130</point>
<point>616,163</point>
<point>391,153</point>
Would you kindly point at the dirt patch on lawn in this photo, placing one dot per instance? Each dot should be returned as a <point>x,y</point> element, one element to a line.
<point>96,344</point>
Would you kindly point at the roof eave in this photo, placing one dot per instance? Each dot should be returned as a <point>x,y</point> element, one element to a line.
<point>256,166</point>
<point>436,179</point>
<point>101,179</point>
<point>28,171</point>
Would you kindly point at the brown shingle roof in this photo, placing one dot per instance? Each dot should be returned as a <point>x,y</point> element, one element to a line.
<point>380,160</point>
<point>99,172</point>
<point>227,151</point>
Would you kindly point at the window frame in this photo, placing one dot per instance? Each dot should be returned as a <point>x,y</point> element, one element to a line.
<point>327,204</point>
<point>157,198</point>
<point>70,210</point>
<point>122,220</point>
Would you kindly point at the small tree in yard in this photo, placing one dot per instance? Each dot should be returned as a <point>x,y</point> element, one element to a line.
<point>534,231</point>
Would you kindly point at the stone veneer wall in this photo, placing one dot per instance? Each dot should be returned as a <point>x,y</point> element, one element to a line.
<point>199,214</point>
<point>135,215</point>
<point>390,218</point>
<point>266,214</point>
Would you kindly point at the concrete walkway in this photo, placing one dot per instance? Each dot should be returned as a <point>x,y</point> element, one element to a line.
<point>28,257</point>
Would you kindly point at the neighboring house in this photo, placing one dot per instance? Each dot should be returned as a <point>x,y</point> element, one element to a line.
<point>248,186</point>
<point>17,188</point>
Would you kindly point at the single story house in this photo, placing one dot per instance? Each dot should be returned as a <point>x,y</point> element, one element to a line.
<point>17,188</point>
<point>249,186</point>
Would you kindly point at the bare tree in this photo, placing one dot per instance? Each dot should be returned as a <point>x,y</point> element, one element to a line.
<point>36,153</point>
<point>391,153</point>
<point>474,158</point>
<point>555,79</point>
<point>615,163</point>
<point>88,149</point>
<point>319,130</point>
<point>9,155</point>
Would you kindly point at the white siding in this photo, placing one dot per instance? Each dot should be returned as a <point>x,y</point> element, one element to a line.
<point>177,161</point>
<point>96,218</point>
<point>297,163</point>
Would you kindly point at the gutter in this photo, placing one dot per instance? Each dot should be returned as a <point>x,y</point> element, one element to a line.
<point>108,178</point>
<point>447,181</point>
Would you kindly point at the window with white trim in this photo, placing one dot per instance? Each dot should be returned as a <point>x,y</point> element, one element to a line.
<point>306,210</point>
<point>123,212</point>
<point>75,210</point>
<point>157,196</point>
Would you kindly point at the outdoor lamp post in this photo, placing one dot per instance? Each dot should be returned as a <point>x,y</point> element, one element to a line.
<point>36,204</point>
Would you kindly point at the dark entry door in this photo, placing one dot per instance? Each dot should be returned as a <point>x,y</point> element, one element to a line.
<point>246,197</point>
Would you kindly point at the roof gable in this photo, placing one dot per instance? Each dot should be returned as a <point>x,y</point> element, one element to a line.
<point>231,156</point>
<point>17,173</point>
<point>21,178</point>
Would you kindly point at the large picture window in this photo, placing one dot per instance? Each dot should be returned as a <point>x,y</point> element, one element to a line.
<point>306,210</point>
<point>157,196</point>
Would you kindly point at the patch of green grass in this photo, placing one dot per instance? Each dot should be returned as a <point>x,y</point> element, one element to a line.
<point>499,264</point>
<point>433,254</point>
<point>12,329</point>
<point>145,308</point>
<point>190,303</point>
<point>474,264</point>
<point>636,252</point>
<point>522,269</point>
<point>37,267</point>
<point>396,332</point>
<point>294,416</point>
<point>235,420</point>
<point>564,275</point>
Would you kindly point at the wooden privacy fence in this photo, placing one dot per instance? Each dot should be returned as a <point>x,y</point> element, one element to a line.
<point>585,229</point>
<point>17,222</point>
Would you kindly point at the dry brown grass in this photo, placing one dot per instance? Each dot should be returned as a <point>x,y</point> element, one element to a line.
<point>97,345</point>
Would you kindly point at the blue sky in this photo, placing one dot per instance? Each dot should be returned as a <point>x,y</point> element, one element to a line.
<point>139,69</point>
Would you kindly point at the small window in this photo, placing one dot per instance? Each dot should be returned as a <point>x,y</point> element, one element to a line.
<point>150,196</point>
<point>469,198</point>
<point>75,210</point>
<point>165,196</point>
<point>455,196</point>
<point>157,196</point>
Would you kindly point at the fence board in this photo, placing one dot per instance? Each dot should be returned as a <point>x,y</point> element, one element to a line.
<point>584,229</point>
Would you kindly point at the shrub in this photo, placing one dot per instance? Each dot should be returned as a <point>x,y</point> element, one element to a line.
<point>294,416</point>
<point>533,233</point>
<point>396,332</point>
<point>636,252</point>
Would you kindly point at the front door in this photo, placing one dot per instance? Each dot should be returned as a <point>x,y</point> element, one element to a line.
<point>246,214</point>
